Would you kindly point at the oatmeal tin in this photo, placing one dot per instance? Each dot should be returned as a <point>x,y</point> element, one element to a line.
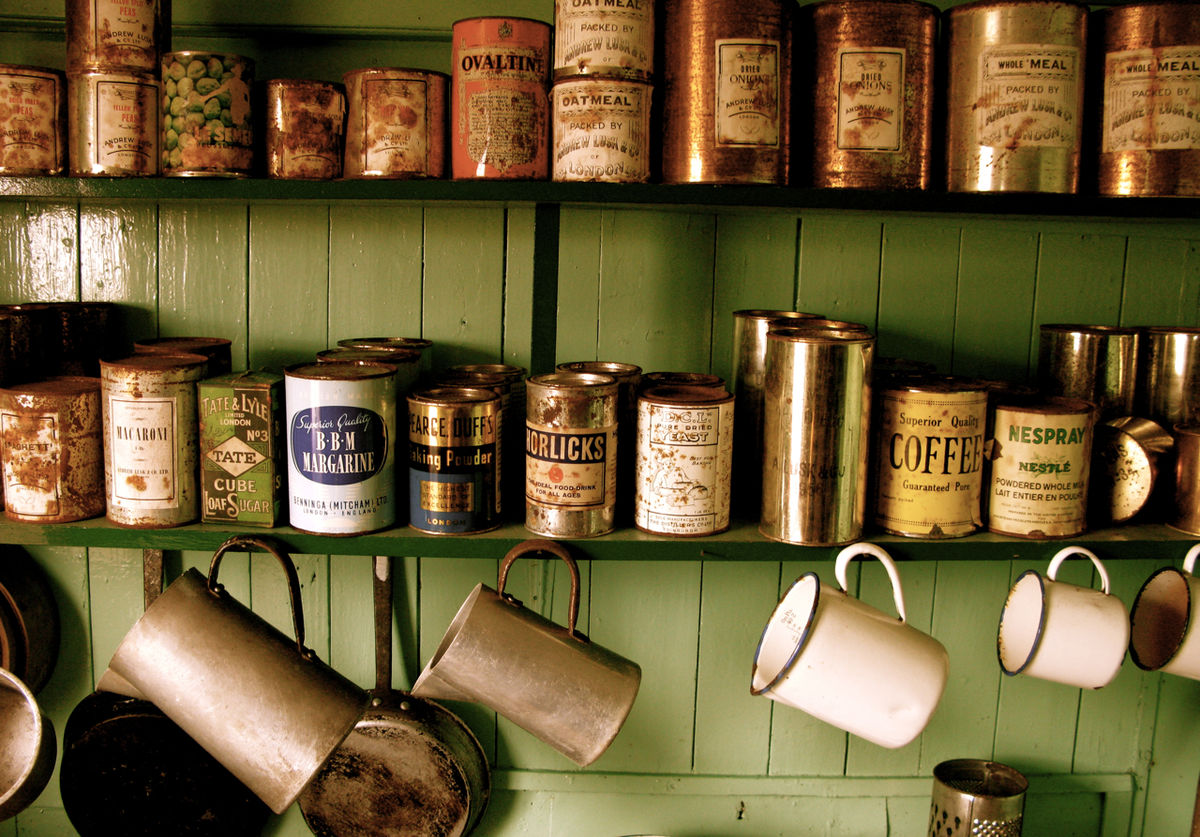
<point>241,448</point>
<point>305,129</point>
<point>396,125</point>
<point>601,130</point>
<point>117,34</point>
<point>604,37</point>
<point>113,124</point>
<point>33,116</point>
<point>207,97</point>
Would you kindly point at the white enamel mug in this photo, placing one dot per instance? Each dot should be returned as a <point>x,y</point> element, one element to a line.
<point>1061,632</point>
<point>846,663</point>
<point>1162,635</point>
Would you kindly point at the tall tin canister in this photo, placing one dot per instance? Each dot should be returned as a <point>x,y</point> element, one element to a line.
<point>1096,363</point>
<point>33,120</point>
<point>600,130</point>
<point>816,421</point>
<point>207,96</point>
<point>1149,134</point>
<point>512,423</point>
<point>684,460</point>
<point>151,429</point>
<point>1015,95</point>
<point>500,110</point>
<point>614,39</point>
<point>117,35</point>
<point>396,124</point>
<point>218,350</point>
<point>113,124</point>
<point>570,454</point>
<point>305,129</point>
<point>1170,360</point>
<point>873,93</point>
<point>726,89</point>
<point>341,443</point>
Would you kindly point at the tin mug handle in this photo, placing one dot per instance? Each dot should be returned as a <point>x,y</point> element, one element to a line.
<point>853,551</point>
<point>1189,560</point>
<point>555,548</point>
<point>1066,552</point>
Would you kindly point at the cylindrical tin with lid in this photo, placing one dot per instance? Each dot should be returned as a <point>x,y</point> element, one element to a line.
<point>218,350</point>
<point>33,120</point>
<point>601,130</point>
<point>604,38</point>
<point>113,124</point>
<point>726,91</point>
<point>1015,97</point>
<point>1170,380</point>
<point>684,460</point>
<point>341,443</point>
<point>420,344</point>
<point>82,337</point>
<point>512,424</point>
<point>682,379</point>
<point>117,34</point>
<point>406,361</point>
<point>305,129</point>
<point>396,123</point>
<point>1149,132</point>
<point>570,454</point>
<point>1096,363</point>
<point>1185,512</point>
<point>207,96</point>
<point>53,452</point>
<point>500,111</point>
<point>873,93</point>
<point>1127,456</point>
<point>151,429</point>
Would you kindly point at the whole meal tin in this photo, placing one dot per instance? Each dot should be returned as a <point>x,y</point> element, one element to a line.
<point>306,123</point>
<point>53,451</point>
<point>117,34</point>
<point>604,37</point>
<point>570,454</point>
<point>113,124</point>
<point>499,106</point>
<point>1040,458</point>
<point>1127,456</point>
<point>1096,363</point>
<point>207,97</point>
<point>397,122</point>
<point>1015,97</point>
<point>33,120</point>
<point>218,350</point>
<point>341,443</point>
<point>420,344</point>
<point>151,438</point>
<point>1150,136</point>
<point>1170,360</point>
<point>453,460</point>
<point>684,460</point>
<point>601,130</point>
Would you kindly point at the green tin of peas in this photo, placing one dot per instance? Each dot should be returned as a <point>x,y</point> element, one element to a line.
<point>206,119</point>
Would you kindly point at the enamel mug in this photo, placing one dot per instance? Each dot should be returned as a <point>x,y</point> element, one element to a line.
<point>1061,632</point>
<point>1162,634</point>
<point>846,663</point>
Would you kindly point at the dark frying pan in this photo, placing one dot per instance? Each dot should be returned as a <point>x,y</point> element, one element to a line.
<point>29,620</point>
<point>410,768</point>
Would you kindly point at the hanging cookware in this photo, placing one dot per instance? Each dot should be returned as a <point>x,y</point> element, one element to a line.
<point>29,620</point>
<point>410,768</point>
<point>27,746</point>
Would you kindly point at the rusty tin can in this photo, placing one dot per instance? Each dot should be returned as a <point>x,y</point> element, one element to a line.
<point>1149,133</point>
<point>53,451</point>
<point>601,130</point>
<point>604,37</point>
<point>117,34</point>
<point>570,454</point>
<point>397,123</point>
<point>684,460</point>
<point>113,124</point>
<point>151,438</point>
<point>1127,456</point>
<point>1096,363</point>
<point>33,120</point>
<point>33,346</point>
<point>218,350</point>
<point>1170,360</point>
<point>1185,510</point>
<point>499,104</point>
<point>873,93</point>
<point>406,361</point>
<point>207,97</point>
<point>512,422</point>
<point>682,379</point>
<point>306,122</point>
<point>420,344</point>
<point>83,337</point>
<point>1015,95</point>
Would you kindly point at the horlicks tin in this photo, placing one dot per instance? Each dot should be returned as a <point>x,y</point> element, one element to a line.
<point>207,97</point>
<point>113,123</point>
<point>306,122</point>
<point>33,115</point>
<point>117,34</point>
<point>396,125</point>
<point>601,130</point>
<point>241,440</point>
<point>604,37</point>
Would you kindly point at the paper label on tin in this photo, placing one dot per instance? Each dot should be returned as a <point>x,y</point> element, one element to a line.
<point>870,98</point>
<point>683,464</point>
<point>503,109</point>
<point>1152,99</point>
<point>1040,467</point>
<point>29,127</point>
<point>32,473</point>
<point>395,125</point>
<point>571,467</point>
<point>125,23</point>
<point>453,468</point>
<point>127,126</point>
<point>747,107</point>
<point>604,33</point>
<point>1028,96</point>
<point>143,452</point>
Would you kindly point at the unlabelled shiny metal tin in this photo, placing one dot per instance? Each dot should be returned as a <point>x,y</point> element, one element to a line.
<point>1127,454</point>
<point>420,344</point>
<point>601,130</point>
<point>406,360</point>
<point>604,37</point>
<point>396,123</point>
<point>1096,363</point>
<point>305,129</point>
<point>113,124</point>
<point>212,131</point>
<point>33,119</point>
<point>117,34</point>
<point>1185,514</point>
<point>1170,380</point>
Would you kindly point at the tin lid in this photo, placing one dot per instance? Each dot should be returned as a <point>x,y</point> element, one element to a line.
<point>1125,454</point>
<point>199,345</point>
<point>820,323</point>
<point>925,382</point>
<point>397,355</point>
<point>394,73</point>
<point>978,5</point>
<point>419,343</point>
<point>438,395</point>
<point>359,370</point>
<point>155,361</point>
<point>820,334</point>
<point>1080,328</point>
<point>489,18</point>
<point>1043,404</point>
<point>677,395</point>
<point>690,379</point>
<point>466,378</point>
<point>771,314</point>
<point>29,68</point>
<point>249,378</point>
<point>60,385</point>
<point>621,371</point>
<point>509,371</point>
<point>573,383</point>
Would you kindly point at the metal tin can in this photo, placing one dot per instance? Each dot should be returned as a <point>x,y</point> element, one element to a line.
<point>1127,455</point>
<point>150,439</point>
<point>420,344</point>
<point>113,124</point>
<point>1149,136</point>
<point>682,379</point>
<point>453,460</point>
<point>397,123</point>
<point>873,92</point>
<point>1185,511</point>
<point>305,129</point>
<point>929,457</point>
<point>1170,359</point>
<point>341,442</point>
<point>207,97</point>
<point>601,130</point>
<point>117,34</point>
<point>32,344</point>
<point>33,117</point>
<point>1095,363</point>
<point>406,361</point>
<point>610,39</point>
<point>570,454</point>
<point>83,337</point>
<point>501,111</point>
<point>1015,97</point>
<point>512,421</point>
<point>726,91</point>
<point>218,350</point>
<point>684,460</point>
<point>1040,458</point>
<point>53,452</point>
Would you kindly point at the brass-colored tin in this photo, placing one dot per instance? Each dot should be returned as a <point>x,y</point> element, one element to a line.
<point>871,105</point>
<point>115,35</point>
<point>1185,513</point>
<point>1127,455</point>
<point>682,379</point>
<point>33,120</point>
<point>1170,360</point>
<point>1015,95</point>
<point>420,344</point>
<point>113,124</point>
<point>218,350</point>
<point>1096,363</point>
<point>207,96</point>
<point>1149,135</point>
<point>406,360</point>
<point>305,129</point>
<point>397,122</point>
<point>600,129</point>
<point>512,421</point>
<point>726,91</point>
<point>614,39</point>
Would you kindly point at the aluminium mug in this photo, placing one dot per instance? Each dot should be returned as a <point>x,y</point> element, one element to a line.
<point>1162,634</point>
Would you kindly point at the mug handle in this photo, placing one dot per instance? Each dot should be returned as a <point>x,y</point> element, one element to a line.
<point>854,550</point>
<point>1189,560</point>
<point>554,548</point>
<point>1066,552</point>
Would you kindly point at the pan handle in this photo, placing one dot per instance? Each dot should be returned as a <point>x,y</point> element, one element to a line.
<point>555,548</point>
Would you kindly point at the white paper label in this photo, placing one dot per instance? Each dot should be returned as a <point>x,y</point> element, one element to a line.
<point>747,106</point>
<point>143,452</point>
<point>870,99</point>
<point>1152,99</point>
<point>1028,96</point>
<point>32,472</point>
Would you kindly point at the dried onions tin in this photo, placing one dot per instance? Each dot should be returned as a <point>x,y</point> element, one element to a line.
<point>604,37</point>
<point>305,128</point>
<point>32,120</point>
<point>113,124</point>
<point>601,130</point>
<point>207,97</point>
<point>117,34</point>
<point>396,125</point>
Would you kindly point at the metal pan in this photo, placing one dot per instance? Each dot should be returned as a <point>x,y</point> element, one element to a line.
<point>29,620</point>
<point>410,768</point>
<point>27,746</point>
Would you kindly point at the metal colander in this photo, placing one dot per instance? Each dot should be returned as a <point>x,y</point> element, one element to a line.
<point>977,798</point>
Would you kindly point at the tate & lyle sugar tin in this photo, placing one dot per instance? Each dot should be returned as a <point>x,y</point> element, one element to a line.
<point>241,431</point>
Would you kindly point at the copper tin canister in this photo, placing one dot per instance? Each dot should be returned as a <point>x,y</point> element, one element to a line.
<point>114,126</point>
<point>207,96</point>
<point>83,337</point>
<point>1185,514</point>
<point>1096,363</point>
<point>601,130</point>
<point>151,428</point>
<point>1170,360</point>
<point>1149,135</point>
<point>872,100</point>
<point>604,37</point>
<point>396,127</point>
<point>499,103</point>
<point>1015,97</point>
<point>421,344</point>
<point>406,361</point>
<point>33,120</point>
<point>726,91</point>
<point>682,379</point>
<point>53,452</point>
<point>306,123</point>
<point>117,34</point>
<point>1127,456</point>
<point>684,460</point>
<point>218,350</point>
